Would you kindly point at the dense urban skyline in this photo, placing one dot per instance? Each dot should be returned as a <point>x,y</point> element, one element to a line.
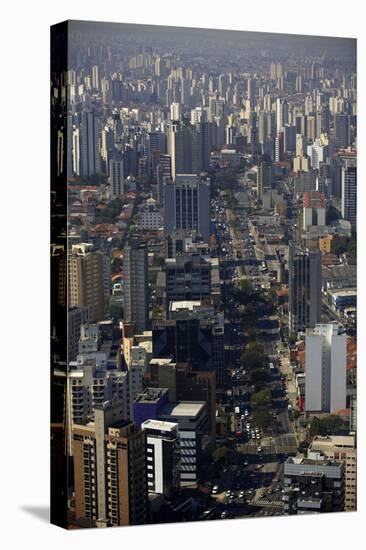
<point>204,261</point>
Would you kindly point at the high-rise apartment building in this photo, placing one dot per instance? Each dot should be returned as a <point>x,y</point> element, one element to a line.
<point>110,469</point>
<point>325,369</point>
<point>305,281</point>
<point>95,77</point>
<point>86,280</point>
<point>136,290</point>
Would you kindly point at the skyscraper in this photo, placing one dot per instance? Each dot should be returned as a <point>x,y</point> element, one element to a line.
<point>184,149</point>
<point>349,193</point>
<point>187,205</point>
<point>136,291</point>
<point>264,176</point>
<point>305,281</point>
<point>116,170</point>
<point>342,130</point>
<point>95,77</point>
<point>89,149</point>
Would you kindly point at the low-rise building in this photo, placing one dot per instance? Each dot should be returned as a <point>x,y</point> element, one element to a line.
<point>313,486</point>
<point>342,448</point>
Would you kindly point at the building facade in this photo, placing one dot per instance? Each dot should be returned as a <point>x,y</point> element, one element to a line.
<point>325,369</point>
<point>334,447</point>
<point>110,470</point>
<point>305,281</point>
<point>163,456</point>
<point>136,290</point>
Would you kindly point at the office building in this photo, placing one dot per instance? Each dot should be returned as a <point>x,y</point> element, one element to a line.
<point>135,289</point>
<point>110,469</point>
<point>184,384</point>
<point>342,130</point>
<point>191,418</point>
<point>192,336</point>
<point>305,284</point>
<point>90,160</point>
<point>312,486</point>
<point>349,194</point>
<point>340,448</point>
<point>184,149</point>
<point>264,177</point>
<point>187,278</point>
<point>187,205</point>
<point>116,171</point>
<point>163,457</point>
<point>325,369</point>
<point>149,403</point>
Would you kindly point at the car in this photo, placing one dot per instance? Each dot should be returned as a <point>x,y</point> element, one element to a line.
<point>241,494</point>
<point>259,449</point>
<point>258,436</point>
<point>215,490</point>
<point>228,493</point>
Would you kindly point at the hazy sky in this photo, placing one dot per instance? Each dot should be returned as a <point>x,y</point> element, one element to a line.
<point>211,40</point>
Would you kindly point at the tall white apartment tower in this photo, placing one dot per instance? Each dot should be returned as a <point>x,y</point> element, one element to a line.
<point>95,77</point>
<point>325,369</point>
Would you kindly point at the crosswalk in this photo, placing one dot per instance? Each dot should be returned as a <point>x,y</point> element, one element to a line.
<point>272,503</point>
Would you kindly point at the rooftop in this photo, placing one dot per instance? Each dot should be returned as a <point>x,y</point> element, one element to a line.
<point>160,425</point>
<point>149,395</point>
<point>183,408</point>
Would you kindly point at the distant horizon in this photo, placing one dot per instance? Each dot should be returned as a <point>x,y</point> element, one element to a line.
<point>295,44</point>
